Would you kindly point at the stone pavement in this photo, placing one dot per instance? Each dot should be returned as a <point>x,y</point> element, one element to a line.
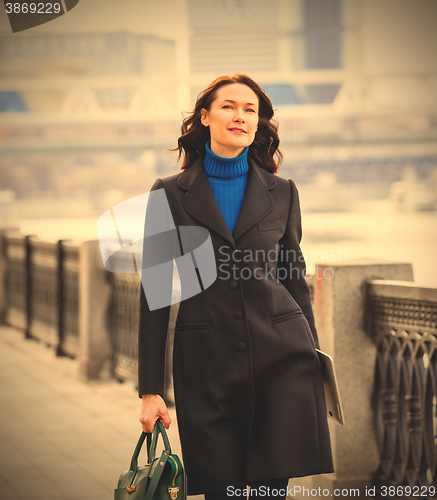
<point>60,438</point>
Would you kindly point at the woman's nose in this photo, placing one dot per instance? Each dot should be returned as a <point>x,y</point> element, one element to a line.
<point>239,117</point>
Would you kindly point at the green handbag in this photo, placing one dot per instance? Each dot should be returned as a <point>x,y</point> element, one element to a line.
<point>162,478</point>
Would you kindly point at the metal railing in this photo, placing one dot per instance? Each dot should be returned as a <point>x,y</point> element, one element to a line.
<point>42,299</point>
<point>402,319</point>
<point>42,281</point>
<point>68,286</point>
<point>123,322</point>
<point>123,319</point>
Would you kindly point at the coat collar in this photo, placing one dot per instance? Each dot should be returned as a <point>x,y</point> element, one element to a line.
<point>199,200</point>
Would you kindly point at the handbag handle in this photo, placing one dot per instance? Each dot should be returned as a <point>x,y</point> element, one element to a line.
<point>151,444</point>
<point>159,428</point>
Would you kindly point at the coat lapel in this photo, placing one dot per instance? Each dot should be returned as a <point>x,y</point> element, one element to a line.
<point>258,202</point>
<point>199,200</point>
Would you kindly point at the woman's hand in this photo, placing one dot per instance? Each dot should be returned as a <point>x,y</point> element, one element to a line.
<point>152,408</point>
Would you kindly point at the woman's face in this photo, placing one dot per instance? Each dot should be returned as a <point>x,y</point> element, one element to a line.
<point>232,119</point>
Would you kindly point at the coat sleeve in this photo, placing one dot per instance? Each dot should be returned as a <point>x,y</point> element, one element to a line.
<point>152,339</point>
<point>293,263</point>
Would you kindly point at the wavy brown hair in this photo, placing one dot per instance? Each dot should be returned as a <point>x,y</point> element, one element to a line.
<point>265,147</point>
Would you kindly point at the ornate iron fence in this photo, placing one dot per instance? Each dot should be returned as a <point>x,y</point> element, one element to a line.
<point>402,319</point>
<point>68,276</point>
<point>42,282</point>
<point>123,319</point>
<point>43,270</point>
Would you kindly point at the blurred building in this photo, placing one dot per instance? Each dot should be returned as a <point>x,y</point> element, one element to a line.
<point>276,41</point>
<point>354,84</point>
<point>78,91</point>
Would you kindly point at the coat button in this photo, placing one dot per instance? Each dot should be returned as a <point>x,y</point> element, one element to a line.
<point>241,346</point>
<point>233,284</point>
<point>238,314</point>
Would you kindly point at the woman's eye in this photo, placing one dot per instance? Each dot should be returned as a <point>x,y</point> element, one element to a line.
<point>251,110</point>
<point>227,106</point>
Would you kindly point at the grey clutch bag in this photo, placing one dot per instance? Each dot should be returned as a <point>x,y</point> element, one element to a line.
<point>332,395</point>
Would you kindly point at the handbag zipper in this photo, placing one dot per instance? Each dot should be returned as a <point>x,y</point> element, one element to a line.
<point>173,490</point>
<point>177,469</point>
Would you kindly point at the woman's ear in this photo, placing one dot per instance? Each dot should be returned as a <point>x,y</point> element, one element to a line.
<point>204,117</point>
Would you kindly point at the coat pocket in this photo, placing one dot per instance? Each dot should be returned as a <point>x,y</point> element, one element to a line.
<point>271,225</point>
<point>194,325</point>
<point>286,316</point>
<point>300,327</point>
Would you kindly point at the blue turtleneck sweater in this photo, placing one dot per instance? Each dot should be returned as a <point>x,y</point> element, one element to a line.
<point>228,179</point>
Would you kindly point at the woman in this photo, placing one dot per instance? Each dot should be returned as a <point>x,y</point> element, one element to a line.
<point>247,378</point>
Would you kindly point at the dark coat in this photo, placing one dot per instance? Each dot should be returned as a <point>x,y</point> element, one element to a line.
<point>247,378</point>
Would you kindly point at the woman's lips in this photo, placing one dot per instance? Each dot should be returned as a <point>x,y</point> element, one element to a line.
<point>237,130</point>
